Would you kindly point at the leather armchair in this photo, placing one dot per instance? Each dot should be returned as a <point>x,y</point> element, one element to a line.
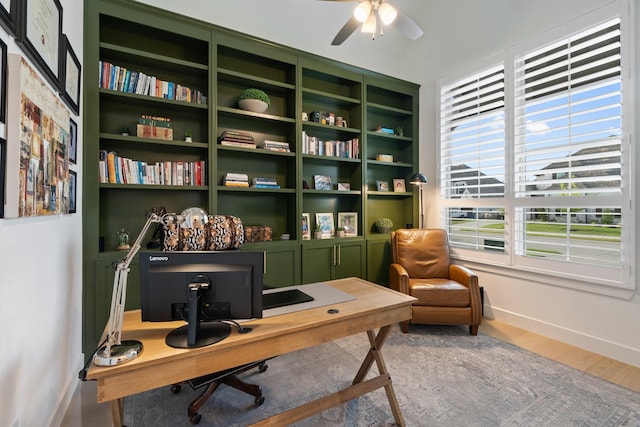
<point>447,294</point>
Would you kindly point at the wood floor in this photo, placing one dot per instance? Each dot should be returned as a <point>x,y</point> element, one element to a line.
<point>85,411</point>
<point>599,366</point>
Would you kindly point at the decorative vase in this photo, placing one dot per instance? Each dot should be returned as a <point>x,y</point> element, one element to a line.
<point>318,234</point>
<point>340,233</point>
<point>188,139</point>
<point>255,105</point>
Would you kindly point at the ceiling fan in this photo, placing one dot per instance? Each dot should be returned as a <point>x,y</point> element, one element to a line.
<point>374,15</point>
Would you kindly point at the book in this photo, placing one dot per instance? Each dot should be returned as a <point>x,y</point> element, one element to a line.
<point>228,183</point>
<point>275,186</point>
<point>237,144</point>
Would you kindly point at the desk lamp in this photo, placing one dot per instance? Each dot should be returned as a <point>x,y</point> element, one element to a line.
<point>419,180</point>
<point>115,351</point>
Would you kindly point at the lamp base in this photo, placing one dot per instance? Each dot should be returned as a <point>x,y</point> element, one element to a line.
<point>119,354</point>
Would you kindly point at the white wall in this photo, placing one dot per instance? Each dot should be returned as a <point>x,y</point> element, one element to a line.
<point>41,296</point>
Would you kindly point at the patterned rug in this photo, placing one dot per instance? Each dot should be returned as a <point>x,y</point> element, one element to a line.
<point>442,377</point>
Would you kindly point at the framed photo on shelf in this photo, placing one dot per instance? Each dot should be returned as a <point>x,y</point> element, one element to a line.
<point>73,141</point>
<point>70,76</point>
<point>399,186</point>
<point>382,185</point>
<point>3,82</point>
<point>39,33</point>
<point>348,221</point>
<point>344,186</point>
<point>324,221</point>
<point>322,182</point>
<point>8,15</point>
<point>306,226</point>
<point>73,187</point>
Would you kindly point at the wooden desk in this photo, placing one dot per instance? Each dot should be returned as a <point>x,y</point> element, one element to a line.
<point>160,365</point>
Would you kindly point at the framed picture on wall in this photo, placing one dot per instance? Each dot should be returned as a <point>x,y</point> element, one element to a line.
<point>73,141</point>
<point>39,34</point>
<point>3,82</point>
<point>8,15</point>
<point>73,187</point>
<point>3,164</point>
<point>70,76</point>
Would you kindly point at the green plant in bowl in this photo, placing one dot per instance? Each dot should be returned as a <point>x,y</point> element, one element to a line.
<point>253,93</point>
<point>384,225</point>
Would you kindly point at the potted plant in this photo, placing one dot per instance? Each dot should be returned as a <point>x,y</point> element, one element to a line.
<point>317,232</point>
<point>255,100</point>
<point>124,131</point>
<point>384,225</point>
<point>188,135</point>
<point>340,232</point>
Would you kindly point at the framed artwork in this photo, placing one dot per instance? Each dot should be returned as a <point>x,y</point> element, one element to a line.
<point>322,182</point>
<point>3,164</point>
<point>348,221</point>
<point>3,82</point>
<point>73,141</point>
<point>399,186</point>
<point>344,186</point>
<point>382,185</point>
<point>8,15</point>
<point>39,33</point>
<point>306,226</point>
<point>70,77</point>
<point>73,187</point>
<point>324,221</point>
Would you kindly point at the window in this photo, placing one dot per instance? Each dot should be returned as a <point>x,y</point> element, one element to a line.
<point>531,164</point>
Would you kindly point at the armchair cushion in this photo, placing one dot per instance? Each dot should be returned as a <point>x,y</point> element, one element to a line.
<point>439,293</point>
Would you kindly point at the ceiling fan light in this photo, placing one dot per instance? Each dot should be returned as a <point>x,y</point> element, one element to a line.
<point>387,13</point>
<point>363,11</point>
<point>369,26</point>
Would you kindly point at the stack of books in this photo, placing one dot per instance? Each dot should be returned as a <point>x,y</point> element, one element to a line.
<point>235,180</point>
<point>274,146</point>
<point>154,127</point>
<point>237,138</point>
<point>264,183</point>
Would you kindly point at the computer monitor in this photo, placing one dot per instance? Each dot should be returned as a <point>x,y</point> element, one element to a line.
<point>202,288</point>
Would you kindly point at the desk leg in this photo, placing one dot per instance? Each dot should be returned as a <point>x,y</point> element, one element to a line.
<point>117,412</point>
<point>376,342</point>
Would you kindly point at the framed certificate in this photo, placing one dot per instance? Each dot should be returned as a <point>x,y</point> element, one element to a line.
<point>40,35</point>
<point>8,15</point>
<point>3,82</point>
<point>70,76</point>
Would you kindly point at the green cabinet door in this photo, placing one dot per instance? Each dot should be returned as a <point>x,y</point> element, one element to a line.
<point>282,263</point>
<point>378,260</point>
<point>334,259</point>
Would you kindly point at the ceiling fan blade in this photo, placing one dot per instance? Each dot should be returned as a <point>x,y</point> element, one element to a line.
<point>345,31</point>
<point>407,26</point>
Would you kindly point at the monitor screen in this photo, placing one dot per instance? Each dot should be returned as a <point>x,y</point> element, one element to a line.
<point>201,288</point>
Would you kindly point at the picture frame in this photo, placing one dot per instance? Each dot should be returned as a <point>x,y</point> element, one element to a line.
<point>3,172</point>
<point>344,186</point>
<point>3,82</point>
<point>399,186</point>
<point>9,15</point>
<point>39,34</point>
<point>348,221</point>
<point>324,221</point>
<point>382,185</point>
<point>322,182</point>
<point>73,187</point>
<point>73,141</point>
<point>305,224</point>
<point>70,73</point>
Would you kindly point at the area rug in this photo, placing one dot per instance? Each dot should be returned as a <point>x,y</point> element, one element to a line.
<point>442,377</point>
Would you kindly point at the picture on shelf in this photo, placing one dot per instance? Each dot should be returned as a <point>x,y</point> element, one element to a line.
<point>322,182</point>
<point>306,226</point>
<point>349,222</point>
<point>344,186</point>
<point>399,186</point>
<point>324,221</point>
<point>382,185</point>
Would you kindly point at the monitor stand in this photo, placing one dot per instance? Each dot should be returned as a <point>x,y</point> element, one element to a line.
<point>197,333</point>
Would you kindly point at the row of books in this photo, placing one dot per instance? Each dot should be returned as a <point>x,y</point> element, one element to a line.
<point>154,127</point>
<point>119,78</point>
<point>346,149</point>
<point>264,183</point>
<point>237,138</point>
<point>114,169</point>
<point>232,179</point>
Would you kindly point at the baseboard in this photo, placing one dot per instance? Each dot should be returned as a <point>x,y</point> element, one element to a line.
<point>616,351</point>
<point>62,406</point>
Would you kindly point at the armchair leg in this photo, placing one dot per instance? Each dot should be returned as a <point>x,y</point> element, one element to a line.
<point>473,329</point>
<point>404,326</point>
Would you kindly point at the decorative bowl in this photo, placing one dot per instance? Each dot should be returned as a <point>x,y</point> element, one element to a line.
<point>255,105</point>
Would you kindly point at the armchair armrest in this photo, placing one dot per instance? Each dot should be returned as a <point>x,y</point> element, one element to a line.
<point>399,278</point>
<point>468,278</point>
